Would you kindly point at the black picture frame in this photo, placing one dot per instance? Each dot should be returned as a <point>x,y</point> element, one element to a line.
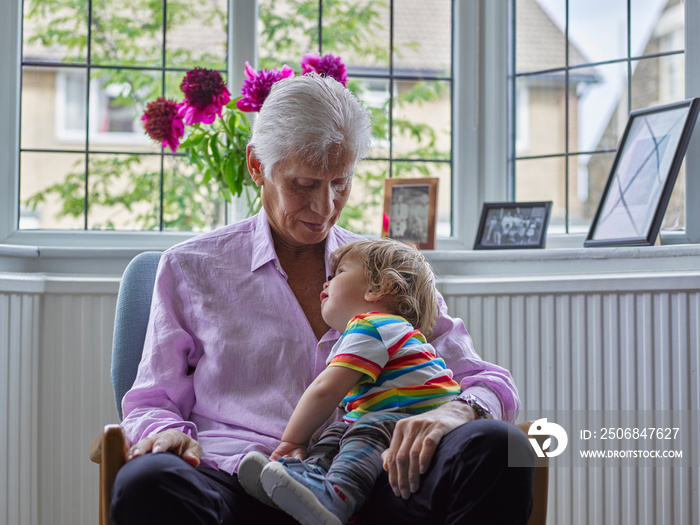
<point>513,225</point>
<point>642,176</point>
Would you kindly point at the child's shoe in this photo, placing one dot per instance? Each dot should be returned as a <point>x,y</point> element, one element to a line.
<point>253,464</point>
<point>249,471</point>
<point>306,496</point>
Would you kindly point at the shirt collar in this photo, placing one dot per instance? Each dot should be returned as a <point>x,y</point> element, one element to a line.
<point>263,247</point>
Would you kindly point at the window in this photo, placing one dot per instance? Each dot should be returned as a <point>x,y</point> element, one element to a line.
<point>95,170</point>
<point>90,68</point>
<point>584,66</point>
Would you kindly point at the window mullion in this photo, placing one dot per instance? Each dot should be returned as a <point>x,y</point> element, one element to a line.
<point>692,89</point>
<point>10,60</point>
<point>480,135</point>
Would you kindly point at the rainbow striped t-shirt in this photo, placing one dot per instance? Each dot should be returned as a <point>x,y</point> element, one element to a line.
<point>401,371</point>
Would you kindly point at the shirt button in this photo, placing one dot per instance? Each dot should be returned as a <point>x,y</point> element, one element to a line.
<point>277,266</point>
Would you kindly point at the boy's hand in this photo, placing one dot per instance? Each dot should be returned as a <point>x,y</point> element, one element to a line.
<point>287,449</point>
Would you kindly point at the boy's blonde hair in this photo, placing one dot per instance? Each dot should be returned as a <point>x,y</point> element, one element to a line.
<point>400,271</point>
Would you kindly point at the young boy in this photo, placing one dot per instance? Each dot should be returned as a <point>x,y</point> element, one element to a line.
<point>382,298</point>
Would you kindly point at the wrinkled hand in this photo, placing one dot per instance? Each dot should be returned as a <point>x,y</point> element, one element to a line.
<point>414,442</point>
<point>287,449</point>
<point>170,440</point>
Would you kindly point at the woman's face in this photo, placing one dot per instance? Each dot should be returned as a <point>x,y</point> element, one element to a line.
<point>303,203</point>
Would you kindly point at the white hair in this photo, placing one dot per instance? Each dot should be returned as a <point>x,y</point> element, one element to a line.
<point>311,117</point>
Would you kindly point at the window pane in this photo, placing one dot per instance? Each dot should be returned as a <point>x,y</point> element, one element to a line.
<point>542,113</point>
<point>656,19</point>
<point>124,35</point>
<point>598,107</point>
<point>422,120</point>
<point>374,94</point>
<point>543,180</point>
<point>363,212</point>
<point>540,35</point>
<point>591,174</point>
<point>358,32</point>
<point>117,100</point>
<point>597,30</point>
<point>657,81</point>
<point>423,37</point>
<point>124,192</point>
<point>189,205</point>
<point>197,34</point>
<point>53,108</point>
<point>45,27</point>
<point>52,190</point>
<point>287,29</point>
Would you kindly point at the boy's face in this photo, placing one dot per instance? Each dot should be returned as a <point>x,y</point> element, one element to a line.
<point>347,294</point>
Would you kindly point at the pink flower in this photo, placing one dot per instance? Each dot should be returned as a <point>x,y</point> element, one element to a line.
<point>256,87</point>
<point>327,66</point>
<point>163,122</point>
<point>205,95</point>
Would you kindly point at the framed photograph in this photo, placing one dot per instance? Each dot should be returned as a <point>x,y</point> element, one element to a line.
<point>410,207</point>
<point>642,176</point>
<point>513,225</point>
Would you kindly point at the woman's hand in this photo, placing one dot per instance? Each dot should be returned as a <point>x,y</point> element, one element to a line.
<point>170,440</point>
<point>287,449</point>
<point>414,442</point>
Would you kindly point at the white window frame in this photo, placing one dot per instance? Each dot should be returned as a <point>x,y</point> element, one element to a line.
<point>480,133</point>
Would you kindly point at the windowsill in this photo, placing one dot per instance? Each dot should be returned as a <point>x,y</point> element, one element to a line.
<point>87,260</point>
<point>565,261</point>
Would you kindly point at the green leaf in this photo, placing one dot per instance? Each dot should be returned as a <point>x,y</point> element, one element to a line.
<point>193,140</point>
<point>214,145</point>
<point>232,177</point>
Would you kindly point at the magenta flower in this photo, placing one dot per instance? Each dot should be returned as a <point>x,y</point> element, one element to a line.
<point>163,122</point>
<point>327,66</point>
<point>205,95</point>
<point>256,87</point>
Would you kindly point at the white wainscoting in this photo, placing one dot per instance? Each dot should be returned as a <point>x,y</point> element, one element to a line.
<point>55,395</point>
<point>614,341</point>
<point>19,402</point>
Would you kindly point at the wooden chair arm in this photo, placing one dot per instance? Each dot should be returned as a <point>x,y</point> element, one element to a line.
<point>109,450</point>
<point>541,484</point>
<point>96,448</point>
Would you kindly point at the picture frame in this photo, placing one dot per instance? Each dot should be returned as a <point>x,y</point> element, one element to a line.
<point>513,225</point>
<point>642,176</point>
<point>410,208</point>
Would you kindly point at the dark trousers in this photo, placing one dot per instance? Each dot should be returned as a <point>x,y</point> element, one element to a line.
<point>469,481</point>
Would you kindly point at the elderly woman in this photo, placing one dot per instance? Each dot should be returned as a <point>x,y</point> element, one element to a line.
<point>236,335</point>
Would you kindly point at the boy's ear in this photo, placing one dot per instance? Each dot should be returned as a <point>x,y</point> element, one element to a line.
<point>373,297</point>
